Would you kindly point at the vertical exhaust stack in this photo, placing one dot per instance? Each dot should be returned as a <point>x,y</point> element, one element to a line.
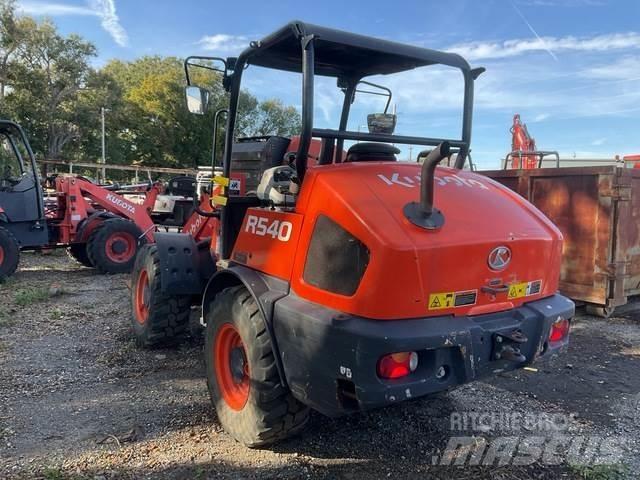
<point>424,214</point>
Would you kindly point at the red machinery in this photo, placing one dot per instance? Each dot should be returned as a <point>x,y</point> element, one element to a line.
<point>523,153</point>
<point>521,141</point>
<point>349,282</point>
<point>101,226</point>
<point>632,158</point>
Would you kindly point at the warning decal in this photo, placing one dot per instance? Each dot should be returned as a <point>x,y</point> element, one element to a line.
<point>439,301</point>
<point>518,290</point>
<point>524,289</point>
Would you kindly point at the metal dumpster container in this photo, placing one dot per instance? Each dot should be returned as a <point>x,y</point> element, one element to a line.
<point>598,211</point>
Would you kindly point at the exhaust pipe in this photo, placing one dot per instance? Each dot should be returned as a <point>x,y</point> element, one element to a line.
<point>424,214</point>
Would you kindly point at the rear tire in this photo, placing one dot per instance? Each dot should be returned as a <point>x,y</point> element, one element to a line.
<point>243,380</point>
<point>112,246</point>
<point>157,318</point>
<point>9,254</point>
<point>78,251</point>
<point>600,311</point>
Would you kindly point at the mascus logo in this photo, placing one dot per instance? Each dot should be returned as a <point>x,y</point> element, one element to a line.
<point>499,258</point>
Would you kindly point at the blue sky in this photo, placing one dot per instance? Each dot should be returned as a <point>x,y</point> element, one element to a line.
<point>571,68</point>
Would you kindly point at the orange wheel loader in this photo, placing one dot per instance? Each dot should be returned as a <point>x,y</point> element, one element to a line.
<point>353,281</point>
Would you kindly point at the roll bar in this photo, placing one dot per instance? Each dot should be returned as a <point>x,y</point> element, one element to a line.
<point>5,126</point>
<point>538,153</point>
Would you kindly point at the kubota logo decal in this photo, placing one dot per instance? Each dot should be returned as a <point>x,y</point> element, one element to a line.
<point>499,258</point>
<point>410,182</point>
<point>196,225</point>
<point>263,226</point>
<point>121,203</point>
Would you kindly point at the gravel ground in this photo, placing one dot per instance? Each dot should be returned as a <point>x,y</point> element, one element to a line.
<point>78,399</point>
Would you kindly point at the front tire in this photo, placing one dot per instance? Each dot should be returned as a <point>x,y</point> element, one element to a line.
<point>243,380</point>
<point>112,246</point>
<point>9,254</point>
<point>157,318</point>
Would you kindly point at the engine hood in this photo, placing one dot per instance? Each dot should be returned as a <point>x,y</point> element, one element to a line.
<point>495,250</point>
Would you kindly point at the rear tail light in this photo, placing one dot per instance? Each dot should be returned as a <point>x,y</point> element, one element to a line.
<point>559,330</point>
<point>396,365</point>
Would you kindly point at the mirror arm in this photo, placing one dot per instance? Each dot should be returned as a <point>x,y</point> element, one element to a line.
<point>214,150</point>
<point>388,93</point>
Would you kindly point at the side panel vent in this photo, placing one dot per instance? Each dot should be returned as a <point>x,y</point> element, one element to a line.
<point>336,260</point>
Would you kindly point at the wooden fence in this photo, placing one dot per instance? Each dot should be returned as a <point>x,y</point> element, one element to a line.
<point>100,167</point>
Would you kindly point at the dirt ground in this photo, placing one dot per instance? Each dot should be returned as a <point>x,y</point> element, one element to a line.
<point>78,399</point>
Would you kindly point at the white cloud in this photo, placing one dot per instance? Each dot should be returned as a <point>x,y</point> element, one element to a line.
<point>599,141</point>
<point>53,9</point>
<point>516,47</point>
<point>562,3</point>
<point>623,69</point>
<point>106,10</point>
<point>541,117</point>
<point>224,43</point>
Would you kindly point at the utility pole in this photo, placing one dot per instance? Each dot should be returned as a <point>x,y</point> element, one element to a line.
<point>104,148</point>
<point>410,151</point>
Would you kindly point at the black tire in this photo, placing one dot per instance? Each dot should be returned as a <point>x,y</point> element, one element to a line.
<point>271,413</point>
<point>9,254</point>
<point>105,254</point>
<point>165,318</point>
<point>600,311</point>
<point>78,251</point>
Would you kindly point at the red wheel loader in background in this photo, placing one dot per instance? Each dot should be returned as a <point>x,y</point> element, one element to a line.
<point>357,281</point>
<point>101,226</point>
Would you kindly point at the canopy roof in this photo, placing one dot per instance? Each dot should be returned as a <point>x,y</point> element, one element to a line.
<point>343,54</point>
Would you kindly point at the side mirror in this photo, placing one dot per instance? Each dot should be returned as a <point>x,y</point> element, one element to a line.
<point>382,123</point>
<point>197,100</point>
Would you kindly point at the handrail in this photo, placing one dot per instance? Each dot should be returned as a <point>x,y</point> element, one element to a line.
<point>378,137</point>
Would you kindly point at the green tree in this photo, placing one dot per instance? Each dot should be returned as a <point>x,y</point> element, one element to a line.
<point>48,85</point>
<point>50,73</point>
<point>11,37</point>
<point>271,117</point>
<point>158,129</point>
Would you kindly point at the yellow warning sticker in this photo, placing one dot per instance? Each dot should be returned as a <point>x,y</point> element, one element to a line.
<point>220,180</point>
<point>219,200</point>
<point>517,290</point>
<point>524,289</point>
<point>439,301</point>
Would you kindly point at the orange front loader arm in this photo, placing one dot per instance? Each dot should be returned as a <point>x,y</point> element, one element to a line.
<point>200,227</point>
<point>73,194</point>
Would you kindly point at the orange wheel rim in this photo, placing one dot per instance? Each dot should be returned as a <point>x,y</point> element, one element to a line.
<point>141,299</point>
<point>120,247</point>
<point>231,367</point>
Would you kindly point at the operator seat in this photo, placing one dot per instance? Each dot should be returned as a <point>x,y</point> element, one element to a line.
<point>372,152</point>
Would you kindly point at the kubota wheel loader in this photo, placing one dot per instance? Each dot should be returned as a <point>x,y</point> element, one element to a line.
<point>101,226</point>
<point>354,281</point>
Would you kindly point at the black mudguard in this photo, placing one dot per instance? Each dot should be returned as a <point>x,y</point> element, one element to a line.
<point>185,266</point>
